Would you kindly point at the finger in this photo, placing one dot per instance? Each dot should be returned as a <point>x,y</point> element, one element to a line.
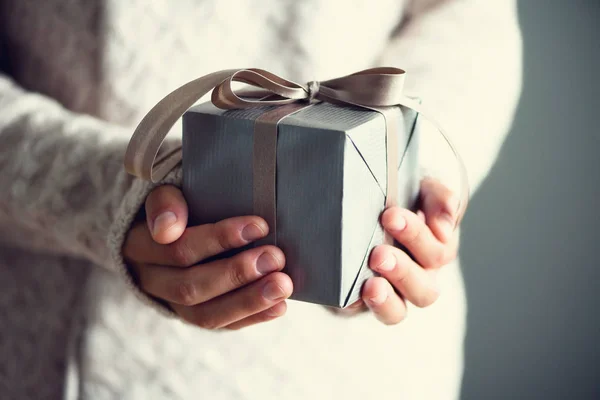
<point>196,243</point>
<point>381,299</point>
<point>166,214</point>
<point>412,232</point>
<point>235,306</point>
<point>416,284</point>
<point>439,205</point>
<point>201,283</point>
<point>278,310</point>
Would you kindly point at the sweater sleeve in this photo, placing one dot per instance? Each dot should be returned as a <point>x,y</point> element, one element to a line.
<point>63,188</point>
<point>464,61</point>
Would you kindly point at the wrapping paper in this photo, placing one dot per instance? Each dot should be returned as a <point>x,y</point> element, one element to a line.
<point>330,186</point>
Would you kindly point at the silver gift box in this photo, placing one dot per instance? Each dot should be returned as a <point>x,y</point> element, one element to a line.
<point>331,185</point>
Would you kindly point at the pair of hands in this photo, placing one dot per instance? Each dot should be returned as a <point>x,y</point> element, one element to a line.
<point>249,288</point>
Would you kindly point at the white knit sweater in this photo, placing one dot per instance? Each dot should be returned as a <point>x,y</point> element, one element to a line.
<point>81,73</point>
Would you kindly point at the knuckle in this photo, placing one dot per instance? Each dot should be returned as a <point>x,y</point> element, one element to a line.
<point>239,269</point>
<point>223,237</point>
<point>237,275</point>
<point>215,242</point>
<point>185,293</point>
<point>181,253</point>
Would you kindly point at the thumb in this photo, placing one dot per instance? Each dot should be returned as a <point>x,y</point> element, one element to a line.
<point>439,206</point>
<point>166,214</point>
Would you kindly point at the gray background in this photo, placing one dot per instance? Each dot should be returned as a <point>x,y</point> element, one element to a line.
<point>531,236</point>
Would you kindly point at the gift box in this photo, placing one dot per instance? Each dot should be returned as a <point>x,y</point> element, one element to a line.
<point>331,171</point>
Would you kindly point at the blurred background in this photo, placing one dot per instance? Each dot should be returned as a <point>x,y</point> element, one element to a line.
<point>531,234</point>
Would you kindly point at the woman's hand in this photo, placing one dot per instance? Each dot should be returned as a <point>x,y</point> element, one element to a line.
<point>163,255</point>
<point>429,235</point>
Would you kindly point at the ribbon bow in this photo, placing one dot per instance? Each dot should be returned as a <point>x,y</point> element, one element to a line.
<point>377,89</point>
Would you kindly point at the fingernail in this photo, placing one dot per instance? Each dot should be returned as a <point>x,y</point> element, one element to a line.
<point>379,299</point>
<point>273,291</point>
<point>252,232</point>
<point>387,265</point>
<point>398,224</point>
<point>266,263</point>
<point>163,222</point>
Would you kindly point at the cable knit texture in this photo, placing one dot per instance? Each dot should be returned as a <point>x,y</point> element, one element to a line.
<point>78,76</point>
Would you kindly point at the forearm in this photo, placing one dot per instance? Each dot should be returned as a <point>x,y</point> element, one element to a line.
<point>62,177</point>
<point>463,59</point>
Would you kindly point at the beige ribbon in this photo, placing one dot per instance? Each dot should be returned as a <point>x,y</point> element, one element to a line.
<point>378,89</point>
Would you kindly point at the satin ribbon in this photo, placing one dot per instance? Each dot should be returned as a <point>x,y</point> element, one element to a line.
<point>378,89</point>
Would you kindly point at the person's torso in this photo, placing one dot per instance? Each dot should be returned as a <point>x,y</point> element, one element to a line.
<point>115,59</point>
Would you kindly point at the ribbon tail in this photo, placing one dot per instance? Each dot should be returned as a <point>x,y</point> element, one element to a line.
<point>464,189</point>
<point>141,155</point>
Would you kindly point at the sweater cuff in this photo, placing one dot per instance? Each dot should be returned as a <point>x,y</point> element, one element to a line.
<point>130,206</point>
